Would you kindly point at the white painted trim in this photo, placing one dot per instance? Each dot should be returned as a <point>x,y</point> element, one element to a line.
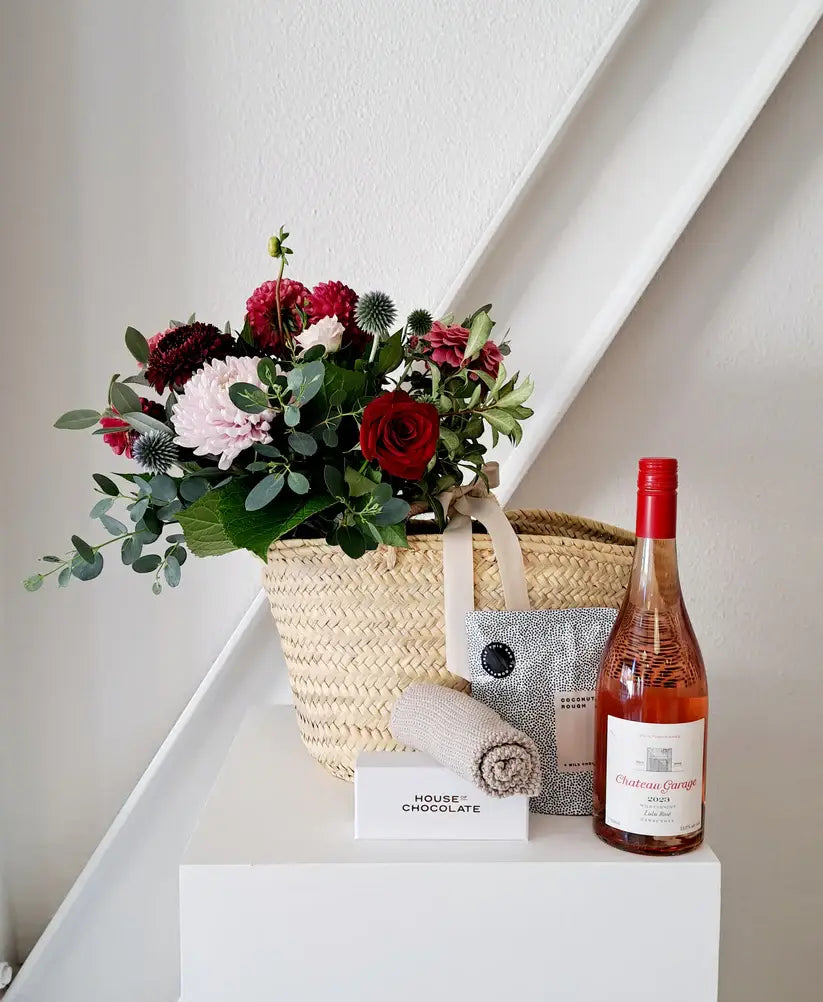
<point>241,672</point>
<point>798,25</point>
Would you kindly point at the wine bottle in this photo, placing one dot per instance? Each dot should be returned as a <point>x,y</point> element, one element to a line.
<point>652,701</point>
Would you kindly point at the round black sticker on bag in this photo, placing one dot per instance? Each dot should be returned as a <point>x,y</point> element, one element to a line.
<point>497,659</point>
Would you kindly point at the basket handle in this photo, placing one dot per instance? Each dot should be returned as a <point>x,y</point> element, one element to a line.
<point>458,571</point>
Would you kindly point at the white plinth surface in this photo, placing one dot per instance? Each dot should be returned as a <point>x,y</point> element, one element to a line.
<point>278,901</point>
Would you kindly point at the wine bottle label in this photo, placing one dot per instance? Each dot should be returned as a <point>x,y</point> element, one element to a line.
<point>654,777</point>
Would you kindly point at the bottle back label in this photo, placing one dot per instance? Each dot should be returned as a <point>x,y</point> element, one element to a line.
<point>654,777</point>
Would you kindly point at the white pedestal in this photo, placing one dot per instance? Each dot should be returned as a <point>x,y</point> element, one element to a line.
<point>279,902</point>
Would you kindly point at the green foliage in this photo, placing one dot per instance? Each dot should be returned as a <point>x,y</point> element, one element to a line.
<point>310,477</point>
<point>75,420</point>
<point>137,345</point>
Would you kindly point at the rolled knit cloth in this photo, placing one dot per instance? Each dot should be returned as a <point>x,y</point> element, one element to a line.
<point>467,737</point>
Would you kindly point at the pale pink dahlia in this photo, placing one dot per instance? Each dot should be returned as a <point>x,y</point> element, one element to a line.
<point>207,421</point>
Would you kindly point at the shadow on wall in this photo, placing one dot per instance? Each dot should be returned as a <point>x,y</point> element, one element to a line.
<point>721,363</point>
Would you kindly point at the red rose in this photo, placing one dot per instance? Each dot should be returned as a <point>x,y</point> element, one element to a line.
<point>400,434</point>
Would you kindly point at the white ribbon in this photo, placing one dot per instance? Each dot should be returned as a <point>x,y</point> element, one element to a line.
<point>458,570</point>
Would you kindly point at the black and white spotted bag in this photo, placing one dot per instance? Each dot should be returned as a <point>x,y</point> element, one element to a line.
<point>537,668</point>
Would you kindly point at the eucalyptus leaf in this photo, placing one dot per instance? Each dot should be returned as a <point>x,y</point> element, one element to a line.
<point>193,488</point>
<point>52,560</point>
<point>314,353</point>
<point>171,572</point>
<point>145,565</point>
<point>34,582</point>
<point>84,551</point>
<point>137,344</point>
<point>291,416</point>
<point>168,513</point>
<point>163,487</point>
<point>298,483</point>
<point>101,507</point>
<point>113,526</point>
<point>264,492</point>
<point>64,577</point>
<point>248,398</point>
<point>105,484</point>
<point>76,420</point>
<point>156,587</point>
<point>85,571</point>
<point>393,511</point>
<point>267,371</point>
<point>127,554</point>
<point>381,493</point>
<point>302,443</point>
<point>267,450</point>
<point>330,437</point>
<point>138,509</point>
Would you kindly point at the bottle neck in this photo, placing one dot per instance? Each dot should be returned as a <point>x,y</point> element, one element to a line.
<point>655,582</point>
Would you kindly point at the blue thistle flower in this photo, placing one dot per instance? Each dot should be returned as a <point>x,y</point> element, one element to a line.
<point>155,451</point>
<point>375,313</point>
<point>419,322</point>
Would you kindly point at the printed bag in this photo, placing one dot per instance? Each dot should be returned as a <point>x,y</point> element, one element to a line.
<point>537,668</point>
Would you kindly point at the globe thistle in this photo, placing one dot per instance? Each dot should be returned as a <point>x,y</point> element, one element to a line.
<point>419,322</point>
<point>155,451</point>
<point>181,351</point>
<point>375,313</point>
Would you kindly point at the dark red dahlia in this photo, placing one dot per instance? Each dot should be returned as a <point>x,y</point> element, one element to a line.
<point>333,299</point>
<point>261,307</point>
<point>121,441</point>
<point>178,353</point>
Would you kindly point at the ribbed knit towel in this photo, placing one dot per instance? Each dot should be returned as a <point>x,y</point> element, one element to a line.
<point>467,737</point>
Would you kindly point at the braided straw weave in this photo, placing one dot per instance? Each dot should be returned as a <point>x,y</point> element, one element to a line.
<point>355,633</point>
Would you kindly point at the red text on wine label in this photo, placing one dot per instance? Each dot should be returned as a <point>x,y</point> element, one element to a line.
<point>667,787</point>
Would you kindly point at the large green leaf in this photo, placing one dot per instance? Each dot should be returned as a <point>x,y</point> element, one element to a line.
<point>203,528</point>
<point>257,530</point>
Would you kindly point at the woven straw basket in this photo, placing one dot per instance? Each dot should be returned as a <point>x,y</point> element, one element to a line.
<point>355,633</point>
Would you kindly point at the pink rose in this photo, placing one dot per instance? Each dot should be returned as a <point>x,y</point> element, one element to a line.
<point>447,346</point>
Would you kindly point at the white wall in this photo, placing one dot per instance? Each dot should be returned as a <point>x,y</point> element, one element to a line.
<point>721,364</point>
<point>149,150</point>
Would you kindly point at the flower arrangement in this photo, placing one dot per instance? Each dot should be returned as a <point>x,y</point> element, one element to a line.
<point>319,417</point>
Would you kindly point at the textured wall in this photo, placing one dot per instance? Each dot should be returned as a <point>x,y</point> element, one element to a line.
<point>721,364</point>
<point>150,150</point>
